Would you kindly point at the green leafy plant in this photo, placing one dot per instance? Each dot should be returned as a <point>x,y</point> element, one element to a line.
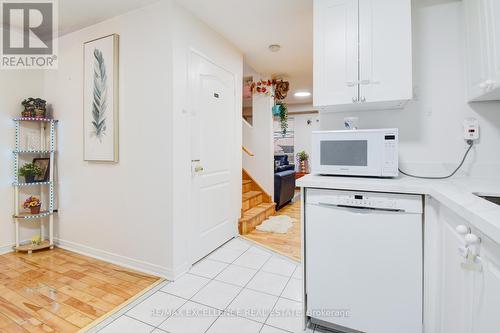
<point>283,117</point>
<point>30,170</point>
<point>302,156</point>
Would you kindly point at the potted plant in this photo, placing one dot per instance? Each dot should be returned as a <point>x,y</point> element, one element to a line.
<point>34,108</point>
<point>40,108</point>
<point>283,117</point>
<point>33,204</point>
<point>29,108</point>
<point>29,171</point>
<point>303,161</point>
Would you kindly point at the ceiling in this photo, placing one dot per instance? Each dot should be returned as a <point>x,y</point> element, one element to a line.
<point>75,15</point>
<point>253,25</point>
<point>250,25</point>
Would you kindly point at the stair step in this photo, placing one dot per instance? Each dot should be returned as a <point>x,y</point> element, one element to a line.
<point>251,199</point>
<point>257,210</point>
<point>255,216</point>
<point>246,185</point>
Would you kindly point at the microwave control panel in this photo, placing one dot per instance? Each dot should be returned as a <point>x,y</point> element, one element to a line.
<point>391,154</point>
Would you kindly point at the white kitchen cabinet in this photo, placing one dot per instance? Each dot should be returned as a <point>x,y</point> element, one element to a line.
<point>469,299</point>
<point>456,283</point>
<point>362,54</point>
<point>486,304</point>
<point>483,49</point>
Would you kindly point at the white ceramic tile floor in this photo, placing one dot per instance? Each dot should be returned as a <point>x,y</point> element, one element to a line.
<point>127,324</point>
<point>208,268</point>
<point>186,286</point>
<point>280,266</point>
<point>191,318</point>
<point>236,275</point>
<point>155,309</point>
<point>293,290</point>
<point>238,285</point>
<point>252,305</point>
<point>268,283</point>
<point>217,294</point>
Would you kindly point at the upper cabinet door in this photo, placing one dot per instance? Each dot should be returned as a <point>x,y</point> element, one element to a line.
<point>477,49</point>
<point>335,52</point>
<point>492,9</point>
<point>385,50</point>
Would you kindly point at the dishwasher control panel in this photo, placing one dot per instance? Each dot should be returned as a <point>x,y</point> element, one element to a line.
<point>376,200</point>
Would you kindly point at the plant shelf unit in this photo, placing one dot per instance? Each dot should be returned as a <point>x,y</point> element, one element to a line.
<point>47,128</point>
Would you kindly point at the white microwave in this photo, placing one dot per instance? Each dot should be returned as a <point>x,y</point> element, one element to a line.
<point>370,153</point>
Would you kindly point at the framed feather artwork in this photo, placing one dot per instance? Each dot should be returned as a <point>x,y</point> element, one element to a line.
<point>100,99</point>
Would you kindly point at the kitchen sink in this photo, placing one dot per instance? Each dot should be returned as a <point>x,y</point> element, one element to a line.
<point>491,198</point>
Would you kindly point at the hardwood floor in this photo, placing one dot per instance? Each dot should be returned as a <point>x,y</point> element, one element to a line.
<point>288,244</point>
<point>61,291</point>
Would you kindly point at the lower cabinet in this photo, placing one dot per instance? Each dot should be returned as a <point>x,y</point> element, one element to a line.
<point>486,287</point>
<point>456,283</point>
<point>469,297</point>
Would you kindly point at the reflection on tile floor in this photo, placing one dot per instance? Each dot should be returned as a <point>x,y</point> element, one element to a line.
<point>241,287</point>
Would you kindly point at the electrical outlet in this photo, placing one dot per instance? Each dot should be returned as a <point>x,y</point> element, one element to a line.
<point>471,129</point>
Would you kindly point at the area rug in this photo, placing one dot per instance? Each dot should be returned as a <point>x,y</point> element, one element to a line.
<point>277,224</point>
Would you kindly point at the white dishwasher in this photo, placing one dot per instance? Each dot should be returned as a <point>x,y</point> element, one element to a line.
<point>364,261</point>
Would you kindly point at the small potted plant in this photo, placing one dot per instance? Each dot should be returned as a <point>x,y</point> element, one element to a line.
<point>33,204</point>
<point>34,108</point>
<point>40,108</point>
<point>29,108</point>
<point>303,161</point>
<point>29,171</point>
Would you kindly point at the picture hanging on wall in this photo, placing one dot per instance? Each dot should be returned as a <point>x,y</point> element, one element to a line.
<point>100,99</point>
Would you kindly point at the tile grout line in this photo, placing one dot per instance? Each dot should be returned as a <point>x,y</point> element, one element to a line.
<point>242,288</point>
<point>209,281</point>
<point>274,306</point>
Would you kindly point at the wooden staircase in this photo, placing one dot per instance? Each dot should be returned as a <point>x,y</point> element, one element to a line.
<point>256,206</point>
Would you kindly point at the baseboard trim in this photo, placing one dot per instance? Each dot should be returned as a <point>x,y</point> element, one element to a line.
<point>116,259</point>
<point>6,249</point>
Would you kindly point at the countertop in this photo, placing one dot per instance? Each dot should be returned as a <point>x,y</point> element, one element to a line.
<point>457,194</point>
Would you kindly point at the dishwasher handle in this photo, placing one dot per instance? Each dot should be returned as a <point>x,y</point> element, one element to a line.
<point>358,209</point>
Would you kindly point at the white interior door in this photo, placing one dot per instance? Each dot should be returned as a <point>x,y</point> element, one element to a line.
<point>212,93</point>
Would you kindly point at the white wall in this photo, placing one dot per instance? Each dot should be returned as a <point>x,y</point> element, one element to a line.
<point>303,133</point>
<point>189,34</point>
<point>15,85</point>
<point>258,138</point>
<point>135,212</point>
<point>121,211</point>
<point>431,126</point>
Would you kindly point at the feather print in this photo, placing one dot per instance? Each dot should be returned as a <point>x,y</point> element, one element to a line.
<point>100,95</point>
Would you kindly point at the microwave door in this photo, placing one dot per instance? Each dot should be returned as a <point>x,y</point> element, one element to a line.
<point>349,156</point>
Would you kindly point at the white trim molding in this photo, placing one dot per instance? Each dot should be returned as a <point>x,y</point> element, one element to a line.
<point>117,259</point>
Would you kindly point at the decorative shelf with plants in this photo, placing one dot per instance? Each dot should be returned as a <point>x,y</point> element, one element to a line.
<point>34,165</point>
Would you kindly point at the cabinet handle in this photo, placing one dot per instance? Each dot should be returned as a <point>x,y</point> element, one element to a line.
<point>472,239</point>
<point>462,229</point>
<point>354,99</point>
<point>363,99</point>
